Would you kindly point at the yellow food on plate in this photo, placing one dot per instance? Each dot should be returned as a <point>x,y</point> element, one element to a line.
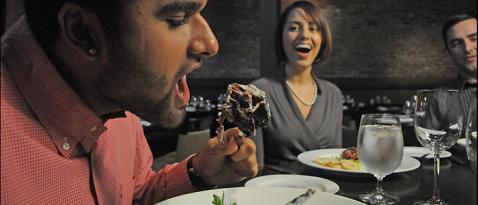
<point>338,163</point>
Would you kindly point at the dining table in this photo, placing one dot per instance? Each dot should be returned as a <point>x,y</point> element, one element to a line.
<point>457,180</point>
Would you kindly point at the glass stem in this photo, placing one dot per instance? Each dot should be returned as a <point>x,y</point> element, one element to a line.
<point>379,188</point>
<point>436,173</point>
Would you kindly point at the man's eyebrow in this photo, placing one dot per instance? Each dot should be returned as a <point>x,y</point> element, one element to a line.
<point>178,6</point>
<point>453,40</point>
<point>471,35</point>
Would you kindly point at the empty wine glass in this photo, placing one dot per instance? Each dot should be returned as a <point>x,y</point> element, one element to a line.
<point>470,130</point>
<point>380,150</point>
<point>438,121</point>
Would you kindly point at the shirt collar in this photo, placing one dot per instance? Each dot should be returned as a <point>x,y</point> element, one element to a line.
<point>64,115</point>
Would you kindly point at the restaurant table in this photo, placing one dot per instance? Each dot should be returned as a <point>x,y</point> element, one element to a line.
<point>457,180</point>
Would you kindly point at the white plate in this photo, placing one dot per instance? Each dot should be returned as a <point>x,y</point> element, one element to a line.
<point>420,151</point>
<point>258,195</point>
<point>461,142</point>
<point>294,181</point>
<point>308,158</point>
<point>405,118</point>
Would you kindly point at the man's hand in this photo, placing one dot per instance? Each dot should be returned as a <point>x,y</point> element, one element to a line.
<point>233,161</point>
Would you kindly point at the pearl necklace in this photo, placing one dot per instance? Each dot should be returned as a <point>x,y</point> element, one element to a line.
<point>300,99</point>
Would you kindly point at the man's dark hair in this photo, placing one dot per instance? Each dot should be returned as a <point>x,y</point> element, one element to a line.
<point>320,21</point>
<point>42,16</point>
<point>453,21</point>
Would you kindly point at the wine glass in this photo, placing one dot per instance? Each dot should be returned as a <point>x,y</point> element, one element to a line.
<point>470,132</point>
<point>438,121</point>
<point>380,150</point>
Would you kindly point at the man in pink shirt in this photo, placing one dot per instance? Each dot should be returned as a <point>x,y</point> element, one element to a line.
<point>75,76</point>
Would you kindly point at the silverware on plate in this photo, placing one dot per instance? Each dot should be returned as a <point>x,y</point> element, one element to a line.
<point>301,199</point>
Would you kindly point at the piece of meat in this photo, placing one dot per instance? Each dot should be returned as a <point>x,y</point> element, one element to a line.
<point>350,153</point>
<point>247,107</point>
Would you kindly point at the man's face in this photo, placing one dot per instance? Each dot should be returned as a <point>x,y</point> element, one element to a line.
<point>164,41</point>
<point>461,41</point>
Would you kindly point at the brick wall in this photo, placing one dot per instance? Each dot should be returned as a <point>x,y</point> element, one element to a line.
<point>389,38</point>
<point>378,44</point>
<point>236,24</point>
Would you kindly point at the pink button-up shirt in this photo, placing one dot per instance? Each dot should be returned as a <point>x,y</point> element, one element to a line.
<point>55,150</point>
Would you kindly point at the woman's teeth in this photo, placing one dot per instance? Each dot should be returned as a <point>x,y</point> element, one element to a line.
<point>303,48</point>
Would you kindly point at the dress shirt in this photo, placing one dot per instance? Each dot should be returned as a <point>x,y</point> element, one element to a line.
<point>55,150</point>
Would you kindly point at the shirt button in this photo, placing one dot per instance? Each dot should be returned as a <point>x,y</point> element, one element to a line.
<point>66,146</point>
<point>93,129</point>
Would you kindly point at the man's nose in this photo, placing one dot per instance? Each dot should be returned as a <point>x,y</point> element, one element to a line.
<point>204,43</point>
<point>470,46</point>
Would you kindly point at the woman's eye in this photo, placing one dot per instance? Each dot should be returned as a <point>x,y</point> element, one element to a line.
<point>314,28</point>
<point>293,28</point>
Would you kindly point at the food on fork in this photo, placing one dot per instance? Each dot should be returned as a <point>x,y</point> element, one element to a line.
<point>246,106</point>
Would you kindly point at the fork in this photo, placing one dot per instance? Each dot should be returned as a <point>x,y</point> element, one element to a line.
<point>301,198</point>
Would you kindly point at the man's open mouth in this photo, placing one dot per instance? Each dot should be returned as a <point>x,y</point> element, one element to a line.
<point>183,89</point>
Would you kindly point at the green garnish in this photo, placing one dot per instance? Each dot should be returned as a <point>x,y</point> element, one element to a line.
<point>219,200</point>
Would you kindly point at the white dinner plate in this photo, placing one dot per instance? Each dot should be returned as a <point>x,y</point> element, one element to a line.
<point>461,142</point>
<point>420,151</point>
<point>308,158</point>
<point>258,195</point>
<point>294,181</point>
<point>405,119</point>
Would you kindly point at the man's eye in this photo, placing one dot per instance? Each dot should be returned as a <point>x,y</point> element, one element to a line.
<point>177,22</point>
<point>455,44</point>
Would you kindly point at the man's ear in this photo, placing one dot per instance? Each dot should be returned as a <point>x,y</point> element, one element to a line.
<point>80,30</point>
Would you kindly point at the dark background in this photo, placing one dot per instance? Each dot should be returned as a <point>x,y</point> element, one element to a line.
<point>381,47</point>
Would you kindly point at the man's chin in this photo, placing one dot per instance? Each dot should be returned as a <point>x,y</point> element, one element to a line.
<point>170,120</point>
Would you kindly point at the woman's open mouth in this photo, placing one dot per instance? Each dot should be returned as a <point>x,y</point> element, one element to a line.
<point>303,49</point>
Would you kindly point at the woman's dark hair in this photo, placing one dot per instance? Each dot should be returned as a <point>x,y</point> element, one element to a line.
<point>320,21</point>
<point>453,21</point>
<point>42,16</point>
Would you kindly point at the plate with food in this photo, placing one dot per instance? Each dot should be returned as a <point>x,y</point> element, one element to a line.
<point>294,181</point>
<point>258,195</point>
<point>461,142</point>
<point>346,161</point>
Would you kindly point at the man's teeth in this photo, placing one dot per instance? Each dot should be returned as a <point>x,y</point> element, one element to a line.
<point>179,86</point>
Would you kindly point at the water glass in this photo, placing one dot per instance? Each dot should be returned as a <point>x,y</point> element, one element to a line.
<point>380,151</point>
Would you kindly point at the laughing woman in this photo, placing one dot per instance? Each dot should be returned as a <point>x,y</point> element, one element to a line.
<point>306,110</point>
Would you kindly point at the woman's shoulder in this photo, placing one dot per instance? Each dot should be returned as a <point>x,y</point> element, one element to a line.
<point>266,83</point>
<point>329,86</point>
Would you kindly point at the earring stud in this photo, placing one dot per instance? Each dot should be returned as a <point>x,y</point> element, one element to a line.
<point>92,51</point>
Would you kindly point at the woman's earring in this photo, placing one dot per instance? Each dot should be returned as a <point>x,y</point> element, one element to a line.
<point>92,51</point>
